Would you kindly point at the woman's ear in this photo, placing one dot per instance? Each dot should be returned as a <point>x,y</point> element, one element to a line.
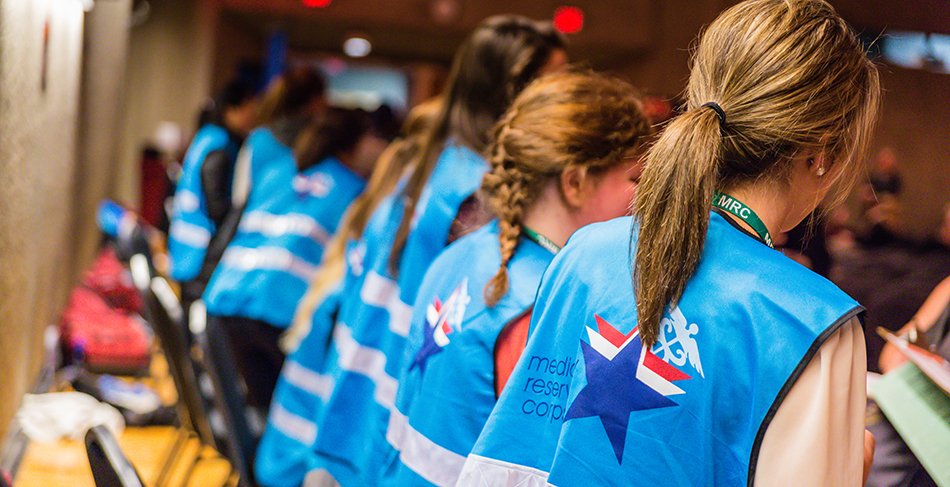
<point>575,186</point>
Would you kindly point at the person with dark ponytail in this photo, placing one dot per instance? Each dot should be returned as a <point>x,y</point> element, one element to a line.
<point>566,154</point>
<point>431,205</point>
<point>677,347</point>
<point>287,105</point>
<point>203,196</point>
<point>300,172</point>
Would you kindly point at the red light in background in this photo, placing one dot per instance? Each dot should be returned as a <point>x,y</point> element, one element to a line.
<point>333,66</point>
<point>569,20</point>
<point>316,3</point>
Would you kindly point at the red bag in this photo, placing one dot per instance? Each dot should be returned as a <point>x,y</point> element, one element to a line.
<point>107,277</point>
<point>104,339</point>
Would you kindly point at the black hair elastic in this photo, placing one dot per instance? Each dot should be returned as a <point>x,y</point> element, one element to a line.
<point>719,113</point>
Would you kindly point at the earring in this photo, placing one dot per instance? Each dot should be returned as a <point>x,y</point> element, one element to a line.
<point>821,171</point>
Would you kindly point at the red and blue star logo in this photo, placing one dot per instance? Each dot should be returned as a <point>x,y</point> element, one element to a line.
<point>317,185</point>
<point>442,320</point>
<point>623,376</point>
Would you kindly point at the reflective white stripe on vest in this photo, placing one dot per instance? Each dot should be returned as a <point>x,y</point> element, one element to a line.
<point>396,430</point>
<point>427,459</point>
<point>293,426</point>
<point>189,234</point>
<point>276,225</point>
<point>319,385</point>
<point>186,201</point>
<point>273,258</point>
<point>365,361</point>
<point>383,292</point>
<point>481,470</point>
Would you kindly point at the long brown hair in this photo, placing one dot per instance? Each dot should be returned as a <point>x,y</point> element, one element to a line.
<point>791,79</point>
<point>334,131</point>
<point>498,59</point>
<point>389,167</point>
<point>289,93</point>
<point>578,119</point>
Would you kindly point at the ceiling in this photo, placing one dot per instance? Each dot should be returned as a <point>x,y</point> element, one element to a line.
<point>407,29</point>
<point>615,29</point>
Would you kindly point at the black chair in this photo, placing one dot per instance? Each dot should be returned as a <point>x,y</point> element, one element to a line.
<point>164,313</point>
<point>110,467</point>
<point>229,395</point>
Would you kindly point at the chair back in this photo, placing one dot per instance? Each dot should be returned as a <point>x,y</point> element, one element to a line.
<point>163,311</point>
<point>110,467</point>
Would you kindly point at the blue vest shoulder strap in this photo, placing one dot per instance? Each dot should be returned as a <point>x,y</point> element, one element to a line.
<point>265,152</point>
<point>456,177</point>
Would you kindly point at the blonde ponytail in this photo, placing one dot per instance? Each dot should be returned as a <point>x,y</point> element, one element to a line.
<point>680,180</point>
<point>791,79</point>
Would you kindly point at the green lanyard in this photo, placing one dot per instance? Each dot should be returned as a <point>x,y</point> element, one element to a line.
<point>735,207</point>
<point>541,240</point>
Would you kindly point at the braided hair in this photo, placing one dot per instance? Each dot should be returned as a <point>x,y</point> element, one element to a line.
<point>570,119</point>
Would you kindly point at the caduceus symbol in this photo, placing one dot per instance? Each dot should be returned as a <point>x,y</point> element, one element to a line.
<point>675,323</point>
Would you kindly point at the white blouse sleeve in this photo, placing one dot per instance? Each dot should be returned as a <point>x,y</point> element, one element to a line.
<point>241,185</point>
<point>817,434</point>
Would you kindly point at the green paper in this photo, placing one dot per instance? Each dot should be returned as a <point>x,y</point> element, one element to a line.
<point>920,412</point>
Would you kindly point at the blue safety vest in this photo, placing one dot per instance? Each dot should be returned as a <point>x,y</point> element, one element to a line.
<point>374,317</point>
<point>191,228</point>
<point>287,221</point>
<point>589,405</point>
<point>285,453</point>
<point>447,388</point>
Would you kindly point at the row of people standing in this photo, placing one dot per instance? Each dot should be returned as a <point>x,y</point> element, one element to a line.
<point>429,298</point>
<point>252,216</point>
<point>367,319</point>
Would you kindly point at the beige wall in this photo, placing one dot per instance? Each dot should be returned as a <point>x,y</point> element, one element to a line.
<point>37,169</point>
<point>105,52</point>
<point>168,78</point>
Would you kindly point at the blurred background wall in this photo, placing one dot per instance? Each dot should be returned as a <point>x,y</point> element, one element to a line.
<point>105,53</point>
<point>122,72</point>
<point>915,122</point>
<point>168,77</point>
<point>40,73</point>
